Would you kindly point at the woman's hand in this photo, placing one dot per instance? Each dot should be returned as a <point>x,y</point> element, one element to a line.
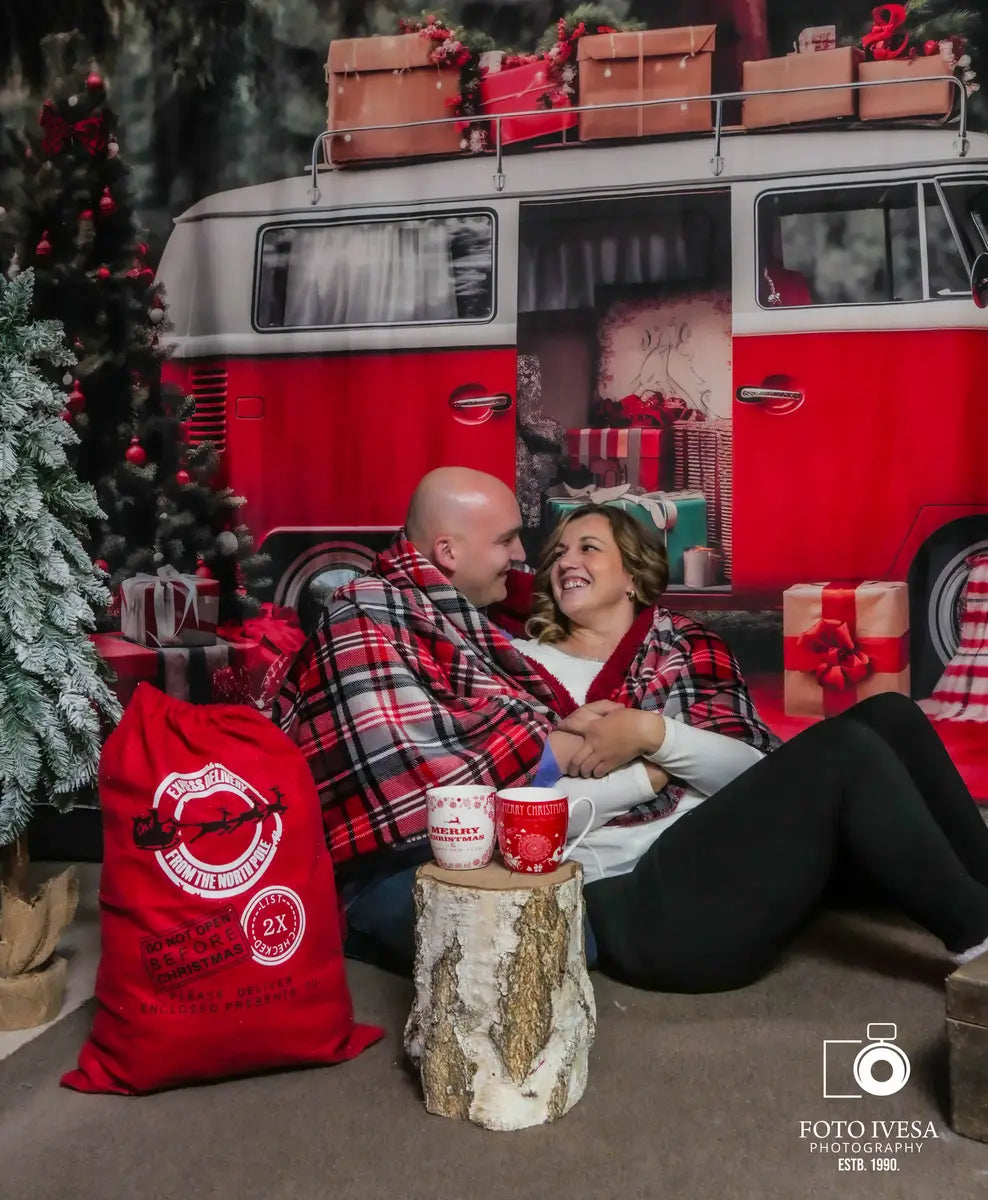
<point>581,720</point>
<point>615,738</point>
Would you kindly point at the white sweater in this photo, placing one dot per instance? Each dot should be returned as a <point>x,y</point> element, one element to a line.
<point>701,761</point>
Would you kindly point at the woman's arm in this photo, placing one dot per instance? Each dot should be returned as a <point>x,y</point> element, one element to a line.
<point>706,760</point>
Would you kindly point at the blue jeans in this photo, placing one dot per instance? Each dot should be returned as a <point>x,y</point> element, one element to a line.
<point>380,914</point>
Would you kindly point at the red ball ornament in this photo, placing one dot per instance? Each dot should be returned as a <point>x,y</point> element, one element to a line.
<point>86,214</point>
<point>930,48</point>
<point>103,272</point>
<point>106,202</point>
<point>65,415</point>
<point>94,82</point>
<point>76,401</point>
<point>102,565</point>
<point>182,478</point>
<point>43,248</point>
<point>141,250</point>
<point>135,453</point>
<point>202,571</point>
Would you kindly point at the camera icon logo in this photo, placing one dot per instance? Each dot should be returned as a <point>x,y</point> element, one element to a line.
<point>879,1048</point>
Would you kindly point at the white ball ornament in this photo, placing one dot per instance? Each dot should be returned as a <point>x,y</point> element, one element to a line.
<point>156,316</point>
<point>73,101</point>
<point>226,542</point>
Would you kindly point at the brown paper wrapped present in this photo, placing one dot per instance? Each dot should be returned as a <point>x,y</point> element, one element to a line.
<point>653,64</point>
<point>931,98</point>
<point>385,80</point>
<point>796,71</point>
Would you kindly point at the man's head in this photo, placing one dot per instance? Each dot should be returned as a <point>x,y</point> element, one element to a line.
<point>467,524</point>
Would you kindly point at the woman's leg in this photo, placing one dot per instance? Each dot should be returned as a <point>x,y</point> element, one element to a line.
<point>718,896</point>
<point>903,726</point>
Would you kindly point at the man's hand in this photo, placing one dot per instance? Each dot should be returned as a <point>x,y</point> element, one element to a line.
<point>563,745</point>
<point>614,739</point>
<point>581,720</point>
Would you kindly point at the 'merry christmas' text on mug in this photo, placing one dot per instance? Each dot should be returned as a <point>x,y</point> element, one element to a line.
<point>532,823</point>
<point>461,826</point>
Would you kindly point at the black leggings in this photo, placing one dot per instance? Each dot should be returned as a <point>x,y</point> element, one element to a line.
<point>873,792</point>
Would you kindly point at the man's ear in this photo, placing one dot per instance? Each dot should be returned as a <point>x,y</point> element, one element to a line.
<point>444,554</point>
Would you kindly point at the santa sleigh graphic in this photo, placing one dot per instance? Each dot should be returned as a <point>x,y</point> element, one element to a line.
<point>153,833</point>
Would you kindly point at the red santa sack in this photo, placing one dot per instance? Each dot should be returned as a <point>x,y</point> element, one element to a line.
<point>221,935</point>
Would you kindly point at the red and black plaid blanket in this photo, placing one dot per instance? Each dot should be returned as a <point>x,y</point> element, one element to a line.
<point>407,686</point>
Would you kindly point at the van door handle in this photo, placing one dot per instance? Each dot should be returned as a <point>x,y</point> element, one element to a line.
<point>497,403</point>
<point>756,395</point>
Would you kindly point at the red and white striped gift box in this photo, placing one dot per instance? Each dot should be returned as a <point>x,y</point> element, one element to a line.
<point>616,456</point>
<point>962,691</point>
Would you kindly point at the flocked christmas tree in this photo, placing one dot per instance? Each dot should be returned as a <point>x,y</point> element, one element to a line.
<point>77,229</point>
<point>53,689</point>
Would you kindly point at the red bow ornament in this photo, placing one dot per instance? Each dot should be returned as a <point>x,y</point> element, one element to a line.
<point>90,132</point>
<point>886,19</point>
<point>839,662</point>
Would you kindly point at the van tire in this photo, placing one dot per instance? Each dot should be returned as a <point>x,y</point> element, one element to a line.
<point>307,565</point>
<point>936,583</point>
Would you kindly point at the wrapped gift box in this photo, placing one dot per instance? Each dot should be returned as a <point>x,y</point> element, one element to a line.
<point>931,98</point>
<point>843,642</point>
<point>637,457</point>
<point>679,518</point>
<point>273,639</point>
<point>200,674</point>
<point>169,609</point>
<point>521,89</point>
<point>795,71</point>
<point>654,64</point>
<point>385,80</point>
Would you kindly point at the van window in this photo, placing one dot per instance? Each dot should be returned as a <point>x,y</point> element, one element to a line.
<point>395,272</point>
<point>954,244</point>
<point>840,246</point>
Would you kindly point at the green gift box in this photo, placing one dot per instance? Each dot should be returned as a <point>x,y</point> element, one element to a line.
<point>679,518</point>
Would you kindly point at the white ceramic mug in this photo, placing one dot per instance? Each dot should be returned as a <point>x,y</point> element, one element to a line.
<point>533,825</point>
<point>461,826</point>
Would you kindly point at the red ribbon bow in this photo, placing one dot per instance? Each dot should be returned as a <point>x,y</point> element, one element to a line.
<point>90,132</point>
<point>887,18</point>
<point>840,664</point>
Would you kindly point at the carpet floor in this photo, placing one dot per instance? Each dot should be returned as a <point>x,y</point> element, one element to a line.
<point>690,1098</point>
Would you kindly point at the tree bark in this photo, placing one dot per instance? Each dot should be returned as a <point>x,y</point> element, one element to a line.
<point>504,1012</point>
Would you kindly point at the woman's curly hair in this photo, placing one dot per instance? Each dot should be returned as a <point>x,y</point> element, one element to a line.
<point>643,556</point>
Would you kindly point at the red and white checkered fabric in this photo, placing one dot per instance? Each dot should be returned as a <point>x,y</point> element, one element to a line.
<point>962,692</point>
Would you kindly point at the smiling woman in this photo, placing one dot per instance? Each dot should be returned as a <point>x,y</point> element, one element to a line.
<point>669,732</point>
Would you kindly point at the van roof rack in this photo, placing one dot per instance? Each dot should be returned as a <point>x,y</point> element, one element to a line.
<point>321,148</point>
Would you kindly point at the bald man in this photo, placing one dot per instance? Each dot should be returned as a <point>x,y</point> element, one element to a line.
<point>407,685</point>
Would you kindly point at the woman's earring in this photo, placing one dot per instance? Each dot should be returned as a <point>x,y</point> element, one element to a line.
<point>632,596</point>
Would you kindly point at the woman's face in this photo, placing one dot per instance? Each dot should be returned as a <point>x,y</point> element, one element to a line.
<point>587,574</point>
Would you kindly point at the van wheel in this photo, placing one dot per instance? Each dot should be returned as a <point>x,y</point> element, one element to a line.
<point>936,585</point>
<point>309,566</point>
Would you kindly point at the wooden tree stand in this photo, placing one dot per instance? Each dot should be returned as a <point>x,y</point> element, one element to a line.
<point>504,1012</point>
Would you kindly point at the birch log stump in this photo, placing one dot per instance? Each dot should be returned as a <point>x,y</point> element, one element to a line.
<point>504,1012</point>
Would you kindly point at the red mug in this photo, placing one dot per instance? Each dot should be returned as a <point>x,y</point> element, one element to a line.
<point>532,823</point>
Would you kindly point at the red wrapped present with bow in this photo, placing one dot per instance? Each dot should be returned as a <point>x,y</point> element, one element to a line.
<point>843,642</point>
<point>169,609</point>
<point>275,637</point>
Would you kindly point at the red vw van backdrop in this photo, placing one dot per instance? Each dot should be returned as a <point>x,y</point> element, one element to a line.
<point>860,416</point>
<point>340,359</point>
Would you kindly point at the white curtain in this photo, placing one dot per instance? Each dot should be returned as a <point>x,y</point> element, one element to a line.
<point>561,266</point>
<point>371,274</point>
